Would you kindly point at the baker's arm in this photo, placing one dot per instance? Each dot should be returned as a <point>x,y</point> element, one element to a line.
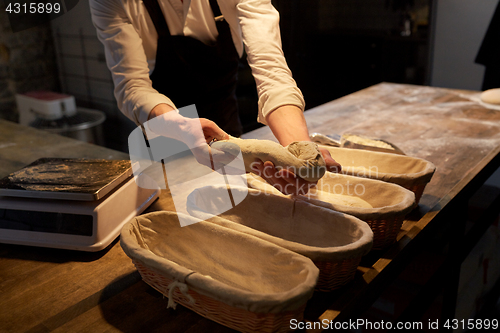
<point>288,124</point>
<point>136,97</point>
<point>126,59</point>
<point>281,103</point>
<point>259,22</point>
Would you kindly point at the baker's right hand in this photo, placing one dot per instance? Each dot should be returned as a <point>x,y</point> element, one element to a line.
<point>189,133</point>
<point>196,133</point>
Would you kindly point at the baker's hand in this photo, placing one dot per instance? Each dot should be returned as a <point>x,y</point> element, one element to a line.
<point>198,144</point>
<point>196,133</point>
<point>288,124</point>
<point>285,180</point>
<point>331,164</point>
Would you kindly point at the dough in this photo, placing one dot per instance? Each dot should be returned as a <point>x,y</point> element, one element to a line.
<point>70,175</point>
<point>304,157</point>
<point>491,96</point>
<point>366,141</point>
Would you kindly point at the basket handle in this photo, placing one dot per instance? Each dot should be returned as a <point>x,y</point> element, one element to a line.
<point>183,289</point>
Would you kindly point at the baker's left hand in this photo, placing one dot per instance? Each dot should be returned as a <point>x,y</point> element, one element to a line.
<point>288,124</point>
<point>283,180</point>
<point>331,164</point>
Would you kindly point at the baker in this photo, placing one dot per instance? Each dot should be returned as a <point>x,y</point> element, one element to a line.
<point>165,54</point>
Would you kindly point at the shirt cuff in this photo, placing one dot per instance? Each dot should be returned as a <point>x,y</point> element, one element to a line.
<point>275,98</point>
<point>143,110</point>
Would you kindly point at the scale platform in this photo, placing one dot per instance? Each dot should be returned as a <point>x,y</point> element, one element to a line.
<point>76,204</point>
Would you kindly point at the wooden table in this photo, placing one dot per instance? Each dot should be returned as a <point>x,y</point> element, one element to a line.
<point>65,291</point>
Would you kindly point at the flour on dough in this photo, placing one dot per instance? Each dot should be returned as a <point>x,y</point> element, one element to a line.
<point>366,141</point>
<point>303,157</point>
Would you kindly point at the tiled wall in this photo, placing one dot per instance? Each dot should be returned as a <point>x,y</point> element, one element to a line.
<point>27,62</point>
<point>83,72</point>
<point>82,67</point>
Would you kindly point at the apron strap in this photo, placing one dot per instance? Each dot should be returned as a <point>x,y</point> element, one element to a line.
<point>215,8</point>
<point>157,17</point>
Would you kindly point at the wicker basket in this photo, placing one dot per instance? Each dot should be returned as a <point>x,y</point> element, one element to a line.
<point>382,205</point>
<point>410,172</point>
<point>334,241</point>
<point>233,278</point>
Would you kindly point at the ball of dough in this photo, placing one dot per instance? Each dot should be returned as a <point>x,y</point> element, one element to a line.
<point>304,156</point>
<point>491,96</point>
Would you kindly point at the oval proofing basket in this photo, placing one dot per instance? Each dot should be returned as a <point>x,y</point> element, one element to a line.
<point>335,242</point>
<point>230,277</point>
<point>410,172</point>
<point>382,205</point>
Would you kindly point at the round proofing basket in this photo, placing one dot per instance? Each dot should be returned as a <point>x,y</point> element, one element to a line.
<point>410,172</point>
<point>235,279</point>
<point>382,205</point>
<point>335,242</point>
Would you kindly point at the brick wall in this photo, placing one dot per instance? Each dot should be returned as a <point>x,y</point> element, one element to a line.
<point>27,62</point>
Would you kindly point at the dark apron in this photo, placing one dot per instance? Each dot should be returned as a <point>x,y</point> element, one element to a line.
<point>191,72</point>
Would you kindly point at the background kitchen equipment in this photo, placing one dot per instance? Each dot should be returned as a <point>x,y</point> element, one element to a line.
<point>356,142</point>
<point>76,204</point>
<point>58,113</point>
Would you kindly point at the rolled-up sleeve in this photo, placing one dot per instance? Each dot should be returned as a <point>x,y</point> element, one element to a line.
<point>259,22</point>
<point>126,59</point>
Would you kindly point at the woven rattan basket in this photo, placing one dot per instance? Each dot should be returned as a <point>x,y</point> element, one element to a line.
<point>410,172</point>
<point>382,205</point>
<point>335,242</point>
<point>230,277</point>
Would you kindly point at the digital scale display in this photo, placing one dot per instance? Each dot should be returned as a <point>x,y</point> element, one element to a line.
<point>52,222</point>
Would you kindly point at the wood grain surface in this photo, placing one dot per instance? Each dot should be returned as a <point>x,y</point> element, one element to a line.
<point>450,128</point>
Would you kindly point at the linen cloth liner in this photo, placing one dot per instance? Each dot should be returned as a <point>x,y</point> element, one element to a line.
<point>233,267</point>
<point>398,169</point>
<point>388,200</point>
<point>315,232</point>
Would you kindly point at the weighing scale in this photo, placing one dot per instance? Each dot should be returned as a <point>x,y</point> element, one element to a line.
<point>77,204</point>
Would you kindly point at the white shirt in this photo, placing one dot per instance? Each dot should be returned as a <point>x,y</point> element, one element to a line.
<point>130,40</point>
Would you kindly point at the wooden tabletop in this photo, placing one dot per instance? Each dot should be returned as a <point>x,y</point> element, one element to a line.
<point>67,291</point>
<point>449,128</point>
